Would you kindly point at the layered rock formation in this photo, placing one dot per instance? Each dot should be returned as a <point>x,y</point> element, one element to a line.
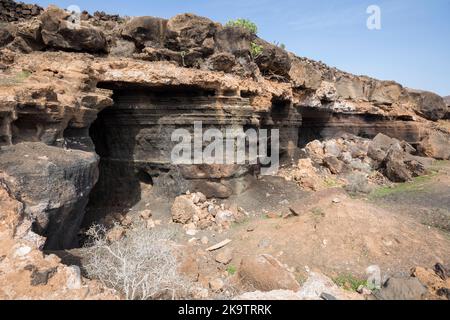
<point>117,88</point>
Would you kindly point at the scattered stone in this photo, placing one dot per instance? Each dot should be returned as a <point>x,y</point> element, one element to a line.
<point>39,278</point>
<point>146,214</point>
<point>317,285</point>
<point>216,285</point>
<point>126,221</point>
<point>224,216</point>
<point>150,224</point>
<point>219,245</point>
<point>22,252</point>
<point>74,277</point>
<point>191,231</point>
<point>264,243</point>
<point>183,209</point>
<point>266,273</point>
<point>326,296</point>
<point>204,240</point>
<point>225,256</point>
<point>402,289</point>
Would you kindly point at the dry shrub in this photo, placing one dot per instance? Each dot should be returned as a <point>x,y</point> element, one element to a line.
<point>142,265</point>
<point>358,183</point>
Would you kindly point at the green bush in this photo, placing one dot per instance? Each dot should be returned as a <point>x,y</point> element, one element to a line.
<point>231,270</point>
<point>256,50</point>
<point>349,282</point>
<point>243,23</point>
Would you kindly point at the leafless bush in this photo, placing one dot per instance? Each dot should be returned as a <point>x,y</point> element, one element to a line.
<point>357,183</point>
<point>142,265</point>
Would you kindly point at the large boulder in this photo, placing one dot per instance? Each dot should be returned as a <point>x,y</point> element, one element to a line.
<point>234,40</point>
<point>189,31</point>
<point>402,289</point>
<point>60,33</point>
<point>436,145</point>
<point>427,104</point>
<point>184,209</point>
<point>385,92</point>
<point>6,35</point>
<point>273,59</point>
<point>28,36</point>
<point>222,61</point>
<point>351,87</point>
<point>395,158</point>
<point>265,273</point>
<point>396,170</point>
<point>146,31</point>
<point>335,165</point>
<point>379,147</point>
<point>54,186</point>
<point>304,74</point>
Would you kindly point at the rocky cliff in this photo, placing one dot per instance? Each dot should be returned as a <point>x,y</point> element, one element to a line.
<point>80,90</point>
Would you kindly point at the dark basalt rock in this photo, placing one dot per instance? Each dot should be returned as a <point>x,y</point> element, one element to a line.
<point>273,60</point>
<point>186,31</point>
<point>234,40</point>
<point>146,31</point>
<point>54,186</point>
<point>59,33</point>
<point>6,35</point>
<point>428,105</point>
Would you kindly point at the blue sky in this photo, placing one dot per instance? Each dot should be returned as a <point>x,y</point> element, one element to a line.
<point>412,47</point>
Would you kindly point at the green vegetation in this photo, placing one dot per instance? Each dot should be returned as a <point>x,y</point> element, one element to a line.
<point>349,282</point>
<point>416,185</point>
<point>22,75</point>
<point>15,79</point>
<point>231,270</point>
<point>256,50</point>
<point>243,23</point>
<point>331,182</point>
<point>318,212</point>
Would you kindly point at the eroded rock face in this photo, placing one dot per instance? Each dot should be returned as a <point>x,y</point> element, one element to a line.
<point>53,185</point>
<point>26,273</point>
<point>142,78</point>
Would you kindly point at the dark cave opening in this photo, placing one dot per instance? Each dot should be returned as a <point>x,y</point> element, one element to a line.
<point>132,139</point>
<point>119,184</point>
